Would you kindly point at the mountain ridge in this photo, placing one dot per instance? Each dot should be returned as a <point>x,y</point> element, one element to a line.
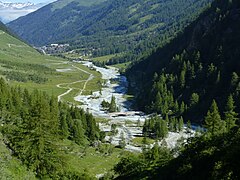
<point>109,27</point>
<point>202,60</point>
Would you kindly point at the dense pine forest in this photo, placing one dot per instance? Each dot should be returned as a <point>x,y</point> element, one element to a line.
<point>194,76</point>
<point>201,64</point>
<point>184,73</point>
<point>33,124</point>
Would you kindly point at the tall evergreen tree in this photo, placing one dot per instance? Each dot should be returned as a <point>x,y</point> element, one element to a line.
<point>230,114</point>
<point>78,133</point>
<point>213,121</point>
<point>113,105</point>
<point>63,125</point>
<point>163,129</point>
<point>180,124</point>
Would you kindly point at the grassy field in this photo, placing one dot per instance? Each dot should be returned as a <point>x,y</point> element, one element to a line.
<point>59,74</point>
<point>139,141</point>
<point>103,58</point>
<point>122,67</point>
<point>95,161</point>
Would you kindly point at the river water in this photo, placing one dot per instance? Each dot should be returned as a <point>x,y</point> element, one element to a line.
<point>92,103</point>
<point>115,85</point>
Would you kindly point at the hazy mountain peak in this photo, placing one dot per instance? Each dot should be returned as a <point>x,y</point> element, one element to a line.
<point>11,11</point>
<point>19,5</point>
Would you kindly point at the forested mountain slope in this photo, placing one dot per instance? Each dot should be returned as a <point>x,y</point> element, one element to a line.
<point>202,158</point>
<point>109,27</point>
<point>38,134</point>
<point>200,65</point>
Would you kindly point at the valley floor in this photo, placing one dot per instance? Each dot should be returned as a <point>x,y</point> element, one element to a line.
<point>129,123</point>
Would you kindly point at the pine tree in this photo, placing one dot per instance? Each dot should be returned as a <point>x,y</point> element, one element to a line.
<point>213,121</point>
<point>163,129</point>
<point>230,114</point>
<point>122,142</point>
<point>63,125</point>
<point>34,138</point>
<point>155,152</point>
<point>113,106</point>
<point>175,124</point>
<point>157,128</point>
<point>92,131</point>
<point>182,108</point>
<point>235,79</point>
<point>167,120</point>
<point>180,124</point>
<point>158,103</point>
<point>171,125</point>
<point>176,107</point>
<point>182,79</point>
<point>78,133</point>
<point>194,99</point>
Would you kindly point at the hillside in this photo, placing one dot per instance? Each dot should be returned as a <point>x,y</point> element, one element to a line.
<point>41,134</point>
<point>182,79</point>
<point>198,66</point>
<point>109,27</point>
<point>22,65</point>
<point>5,29</point>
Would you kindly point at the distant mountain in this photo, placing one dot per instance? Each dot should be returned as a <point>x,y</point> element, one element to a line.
<point>15,5</point>
<point>201,64</point>
<point>107,26</point>
<point>11,11</point>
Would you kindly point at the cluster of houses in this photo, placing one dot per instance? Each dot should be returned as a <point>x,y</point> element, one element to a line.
<point>54,48</point>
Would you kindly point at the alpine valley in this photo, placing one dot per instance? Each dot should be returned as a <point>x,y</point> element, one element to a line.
<point>121,89</point>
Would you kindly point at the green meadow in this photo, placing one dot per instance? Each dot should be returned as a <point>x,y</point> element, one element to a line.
<point>24,66</point>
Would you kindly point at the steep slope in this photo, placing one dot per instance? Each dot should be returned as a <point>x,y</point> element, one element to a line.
<point>4,28</point>
<point>110,27</point>
<point>199,65</point>
<point>52,22</point>
<point>11,167</point>
<point>201,158</point>
<point>34,127</point>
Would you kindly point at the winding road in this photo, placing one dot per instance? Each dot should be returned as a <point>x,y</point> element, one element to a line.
<point>67,85</point>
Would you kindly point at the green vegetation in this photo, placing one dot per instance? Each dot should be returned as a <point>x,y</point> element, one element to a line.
<point>11,167</point>
<point>205,76</point>
<point>90,160</point>
<point>122,67</point>
<point>61,4</point>
<point>140,141</point>
<point>24,66</point>
<point>111,27</point>
<point>201,64</point>
<point>110,107</point>
<point>214,123</point>
<point>201,158</point>
<point>33,124</point>
<point>156,127</point>
<point>210,155</point>
<point>103,58</point>
<point>195,76</point>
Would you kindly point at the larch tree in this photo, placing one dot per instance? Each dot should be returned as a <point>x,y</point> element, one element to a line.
<point>213,121</point>
<point>230,115</point>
